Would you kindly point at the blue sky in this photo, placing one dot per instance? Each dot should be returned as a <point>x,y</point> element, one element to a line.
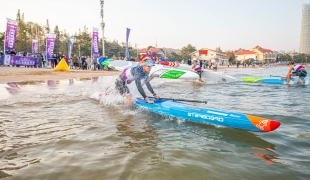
<point>229,24</point>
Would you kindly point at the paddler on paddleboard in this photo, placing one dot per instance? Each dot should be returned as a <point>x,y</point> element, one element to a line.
<point>137,74</point>
<point>197,68</point>
<point>296,70</point>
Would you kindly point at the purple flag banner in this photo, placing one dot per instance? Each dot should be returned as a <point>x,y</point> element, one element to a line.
<point>95,45</point>
<point>127,37</point>
<point>10,34</point>
<point>34,46</point>
<point>50,43</point>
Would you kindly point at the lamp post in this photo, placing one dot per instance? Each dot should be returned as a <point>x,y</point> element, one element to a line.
<point>25,40</point>
<point>165,53</point>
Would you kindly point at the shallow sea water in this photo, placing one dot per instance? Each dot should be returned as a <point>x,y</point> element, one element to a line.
<point>63,130</point>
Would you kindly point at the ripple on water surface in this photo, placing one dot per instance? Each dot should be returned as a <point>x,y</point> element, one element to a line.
<point>61,130</point>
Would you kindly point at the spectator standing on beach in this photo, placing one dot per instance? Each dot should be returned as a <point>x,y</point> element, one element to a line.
<point>80,62</point>
<point>84,63</point>
<point>189,61</point>
<point>58,58</point>
<point>94,63</point>
<point>215,66</point>
<point>66,59</point>
<point>70,61</point>
<point>52,61</point>
<point>89,63</point>
<point>13,52</point>
<point>75,61</point>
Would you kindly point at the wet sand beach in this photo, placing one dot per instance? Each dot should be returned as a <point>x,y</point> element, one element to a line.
<point>17,74</point>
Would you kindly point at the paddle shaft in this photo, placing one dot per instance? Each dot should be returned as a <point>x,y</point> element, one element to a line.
<point>186,100</point>
<point>276,76</point>
<point>283,78</point>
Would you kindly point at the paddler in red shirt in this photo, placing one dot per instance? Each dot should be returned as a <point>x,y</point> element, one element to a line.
<point>150,54</point>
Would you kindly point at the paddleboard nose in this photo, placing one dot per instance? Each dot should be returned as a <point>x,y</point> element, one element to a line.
<point>274,125</point>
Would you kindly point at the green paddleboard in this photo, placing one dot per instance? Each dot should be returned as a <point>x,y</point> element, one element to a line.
<point>106,62</point>
<point>251,79</point>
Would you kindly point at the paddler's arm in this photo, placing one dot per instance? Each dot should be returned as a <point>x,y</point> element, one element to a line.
<point>290,69</point>
<point>138,77</point>
<point>193,65</point>
<point>149,86</point>
<point>288,76</point>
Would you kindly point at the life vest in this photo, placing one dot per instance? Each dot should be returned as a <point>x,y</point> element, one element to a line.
<point>297,68</point>
<point>197,67</point>
<point>127,75</point>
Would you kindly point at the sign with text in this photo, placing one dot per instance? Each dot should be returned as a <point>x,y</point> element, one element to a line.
<point>10,34</point>
<point>95,43</point>
<point>50,44</point>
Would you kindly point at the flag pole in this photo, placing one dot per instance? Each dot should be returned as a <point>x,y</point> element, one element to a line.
<point>6,28</point>
<point>102,26</point>
<point>91,48</point>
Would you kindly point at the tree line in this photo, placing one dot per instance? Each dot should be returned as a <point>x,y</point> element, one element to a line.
<point>82,40</point>
<point>82,43</point>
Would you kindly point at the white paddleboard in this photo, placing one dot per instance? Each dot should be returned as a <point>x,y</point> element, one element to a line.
<point>172,73</point>
<point>210,75</point>
<point>157,71</point>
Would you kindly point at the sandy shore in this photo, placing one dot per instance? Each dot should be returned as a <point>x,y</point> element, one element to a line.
<point>15,74</point>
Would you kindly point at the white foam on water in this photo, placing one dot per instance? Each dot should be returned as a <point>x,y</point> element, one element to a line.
<point>307,81</point>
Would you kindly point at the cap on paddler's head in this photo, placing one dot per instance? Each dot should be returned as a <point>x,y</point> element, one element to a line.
<point>291,62</point>
<point>146,58</point>
<point>147,63</point>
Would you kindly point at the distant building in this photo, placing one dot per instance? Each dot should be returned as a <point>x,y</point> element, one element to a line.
<point>212,56</point>
<point>257,53</point>
<point>264,55</point>
<point>304,46</point>
<point>241,56</point>
<point>293,53</point>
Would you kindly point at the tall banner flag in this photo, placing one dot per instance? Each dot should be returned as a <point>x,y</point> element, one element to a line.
<point>95,45</point>
<point>50,43</point>
<point>70,46</point>
<point>35,46</point>
<point>10,34</point>
<point>127,37</point>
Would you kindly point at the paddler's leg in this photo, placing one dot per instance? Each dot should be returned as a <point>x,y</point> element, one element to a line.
<point>129,100</point>
<point>302,76</point>
<point>199,73</point>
